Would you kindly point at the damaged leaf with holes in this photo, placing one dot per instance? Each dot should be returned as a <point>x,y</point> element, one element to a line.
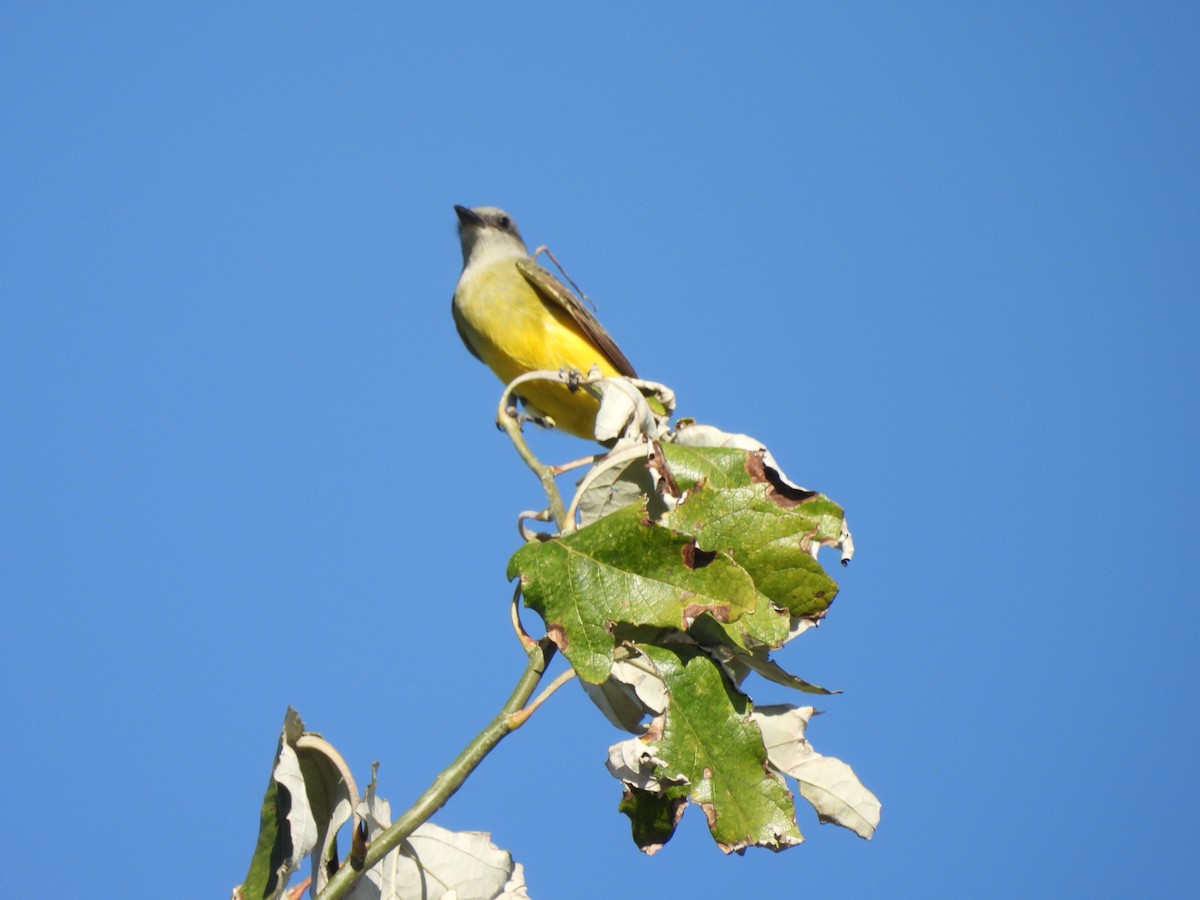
<point>732,469</point>
<point>769,536</point>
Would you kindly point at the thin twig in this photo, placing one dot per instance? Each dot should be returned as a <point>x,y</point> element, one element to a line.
<point>512,428</point>
<point>562,468</point>
<point>515,614</point>
<point>517,719</point>
<point>528,534</point>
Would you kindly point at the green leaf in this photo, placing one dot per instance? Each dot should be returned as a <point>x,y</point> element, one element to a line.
<point>726,467</point>
<point>653,815</point>
<point>770,541</point>
<point>709,739</point>
<point>287,831</point>
<point>625,569</point>
<point>719,466</point>
<point>266,877</point>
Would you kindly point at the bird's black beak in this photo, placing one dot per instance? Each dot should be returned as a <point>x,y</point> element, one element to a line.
<point>468,218</point>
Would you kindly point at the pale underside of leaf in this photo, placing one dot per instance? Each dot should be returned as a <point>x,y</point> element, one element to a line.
<point>435,862</point>
<point>332,795</point>
<point>828,784</point>
<point>632,691</point>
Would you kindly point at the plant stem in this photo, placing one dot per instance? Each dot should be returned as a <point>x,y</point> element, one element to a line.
<point>512,427</point>
<point>544,473</point>
<point>451,778</point>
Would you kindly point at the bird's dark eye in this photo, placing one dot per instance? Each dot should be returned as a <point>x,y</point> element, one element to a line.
<point>505,222</point>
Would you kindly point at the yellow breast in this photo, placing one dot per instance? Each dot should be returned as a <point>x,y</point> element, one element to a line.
<point>514,332</point>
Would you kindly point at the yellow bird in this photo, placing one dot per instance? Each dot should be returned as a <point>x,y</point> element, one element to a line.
<point>516,317</point>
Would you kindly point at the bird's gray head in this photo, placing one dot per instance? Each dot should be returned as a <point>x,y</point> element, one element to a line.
<point>488,233</point>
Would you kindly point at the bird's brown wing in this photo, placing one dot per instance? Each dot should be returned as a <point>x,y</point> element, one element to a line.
<point>554,294</point>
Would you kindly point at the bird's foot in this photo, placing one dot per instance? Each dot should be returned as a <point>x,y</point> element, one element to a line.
<point>522,417</point>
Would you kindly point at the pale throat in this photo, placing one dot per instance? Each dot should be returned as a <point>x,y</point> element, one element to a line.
<point>489,247</point>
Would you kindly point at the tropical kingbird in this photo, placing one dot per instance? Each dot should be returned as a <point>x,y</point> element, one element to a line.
<point>516,317</point>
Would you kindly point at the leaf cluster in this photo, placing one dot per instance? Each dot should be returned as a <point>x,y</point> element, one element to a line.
<point>691,563</point>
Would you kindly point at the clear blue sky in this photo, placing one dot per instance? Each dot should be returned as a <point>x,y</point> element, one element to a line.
<point>943,260</point>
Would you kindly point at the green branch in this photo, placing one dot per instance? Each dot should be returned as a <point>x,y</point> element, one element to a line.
<point>452,777</point>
